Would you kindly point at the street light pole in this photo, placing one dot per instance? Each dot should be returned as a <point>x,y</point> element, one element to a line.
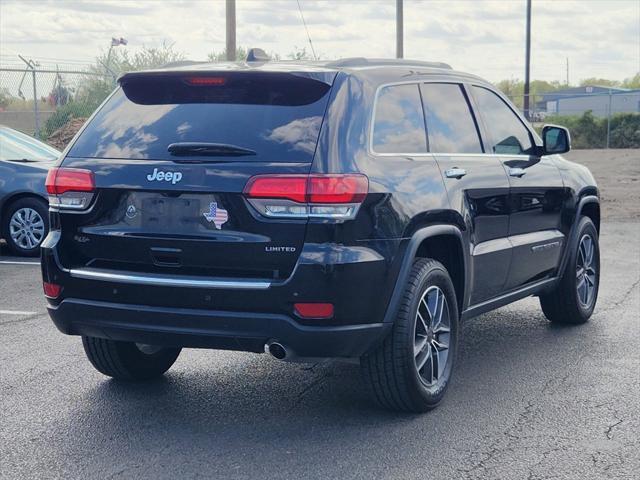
<point>527,62</point>
<point>231,29</point>
<point>399,30</point>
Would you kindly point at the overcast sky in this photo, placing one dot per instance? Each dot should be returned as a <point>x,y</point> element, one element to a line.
<point>600,38</point>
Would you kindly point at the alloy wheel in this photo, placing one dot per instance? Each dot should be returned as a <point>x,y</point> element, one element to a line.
<point>26,228</point>
<point>586,277</point>
<point>432,335</point>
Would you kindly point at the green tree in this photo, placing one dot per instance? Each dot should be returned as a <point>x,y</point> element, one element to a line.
<point>625,130</point>
<point>5,98</point>
<point>514,89</point>
<point>101,78</point>
<point>241,55</point>
<point>221,56</point>
<point>108,66</point>
<point>632,82</point>
<point>600,82</point>
<point>121,60</point>
<point>300,54</point>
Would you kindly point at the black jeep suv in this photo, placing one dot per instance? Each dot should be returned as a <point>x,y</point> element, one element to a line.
<point>356,209</point>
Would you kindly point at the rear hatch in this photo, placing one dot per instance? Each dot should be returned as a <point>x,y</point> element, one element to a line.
<point>171,154</point>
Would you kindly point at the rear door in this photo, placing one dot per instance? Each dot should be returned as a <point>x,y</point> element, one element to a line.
<point>171,154</point>
<point>536,195</point>
<point>476,183</point>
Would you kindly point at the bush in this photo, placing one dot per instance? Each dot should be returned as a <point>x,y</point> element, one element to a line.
<point>64,114</point>
<point>589,131</point>
<point>625,131</point>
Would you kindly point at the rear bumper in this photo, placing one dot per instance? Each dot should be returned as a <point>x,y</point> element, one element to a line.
<point>175,310</point>
<point>181,327</point>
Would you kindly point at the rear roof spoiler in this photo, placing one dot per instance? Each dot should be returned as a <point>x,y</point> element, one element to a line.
<point>255,70</point>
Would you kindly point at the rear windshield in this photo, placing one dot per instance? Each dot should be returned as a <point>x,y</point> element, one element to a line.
<point>278,116</point>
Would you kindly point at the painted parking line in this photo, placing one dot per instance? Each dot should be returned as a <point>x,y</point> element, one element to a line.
<point>13,262</point>
<point>16,312</point>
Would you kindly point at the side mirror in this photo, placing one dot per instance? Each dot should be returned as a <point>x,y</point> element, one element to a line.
<point>556,139</point>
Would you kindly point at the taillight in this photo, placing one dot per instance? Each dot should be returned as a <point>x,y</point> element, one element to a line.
<point>337,188</point>
<point>70,188</point>
<point>303,196</point>
<point>291,187</point>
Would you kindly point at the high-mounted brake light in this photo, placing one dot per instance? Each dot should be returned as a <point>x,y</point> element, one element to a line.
<point>70,187</point>
<point>301,196</point>
<point>205,81</point>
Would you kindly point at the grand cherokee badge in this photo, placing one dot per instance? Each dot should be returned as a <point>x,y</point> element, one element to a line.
<point>131,211</point>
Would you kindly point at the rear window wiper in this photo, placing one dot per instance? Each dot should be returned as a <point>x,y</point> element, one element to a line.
<point>193,149</point>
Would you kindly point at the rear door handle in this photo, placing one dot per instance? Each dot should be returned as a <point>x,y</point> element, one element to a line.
<point>455,172</point>
<point>517,172</point>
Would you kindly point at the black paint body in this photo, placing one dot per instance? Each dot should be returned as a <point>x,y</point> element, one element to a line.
<point>489,222</point>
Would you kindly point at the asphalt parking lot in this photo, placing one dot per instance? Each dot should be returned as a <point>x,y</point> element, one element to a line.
<point>529,400</point>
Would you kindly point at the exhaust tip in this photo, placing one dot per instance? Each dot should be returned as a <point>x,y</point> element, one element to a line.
<point>276,350</point>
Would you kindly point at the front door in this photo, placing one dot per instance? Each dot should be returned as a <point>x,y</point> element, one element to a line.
<point>536,192</point>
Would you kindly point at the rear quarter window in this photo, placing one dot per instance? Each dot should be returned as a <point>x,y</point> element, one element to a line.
<point>278,116</point>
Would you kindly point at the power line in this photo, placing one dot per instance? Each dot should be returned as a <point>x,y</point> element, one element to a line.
<point>315,57</point>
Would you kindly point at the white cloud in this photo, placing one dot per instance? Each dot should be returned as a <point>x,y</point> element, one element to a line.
<point>600,37</point>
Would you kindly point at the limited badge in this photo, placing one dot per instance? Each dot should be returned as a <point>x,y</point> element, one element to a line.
<point>216,215</point>
<point>131,211</point>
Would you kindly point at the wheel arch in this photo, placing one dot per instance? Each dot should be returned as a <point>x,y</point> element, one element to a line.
<point>588,205</point>
<point>444,243</point>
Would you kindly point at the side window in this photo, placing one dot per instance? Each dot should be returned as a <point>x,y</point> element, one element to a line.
<point>450,125</point>
<point>508,134</point>
<point>398,125</point>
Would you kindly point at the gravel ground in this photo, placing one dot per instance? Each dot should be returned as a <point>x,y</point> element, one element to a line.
<point>618,175</point>
<point>529,400</point>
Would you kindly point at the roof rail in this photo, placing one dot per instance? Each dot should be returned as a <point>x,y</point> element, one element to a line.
<point>372,62</point>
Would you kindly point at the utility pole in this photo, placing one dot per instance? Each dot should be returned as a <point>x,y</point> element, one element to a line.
<point>527,62</point>
<point>399,30</point>
<point>231,29</point>
<point>567,71</point>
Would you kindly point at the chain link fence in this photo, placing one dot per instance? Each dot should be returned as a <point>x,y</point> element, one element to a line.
<point>41,100</point>
<point>597,117</point>
<point>51,101</point>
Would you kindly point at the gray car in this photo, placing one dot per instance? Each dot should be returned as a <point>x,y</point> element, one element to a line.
<point>24,163</point>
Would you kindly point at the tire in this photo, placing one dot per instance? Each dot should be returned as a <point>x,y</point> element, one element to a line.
<point>568,303</point>
<point>128,361</point>
<point>29,216</point>
<point>391,370</point>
